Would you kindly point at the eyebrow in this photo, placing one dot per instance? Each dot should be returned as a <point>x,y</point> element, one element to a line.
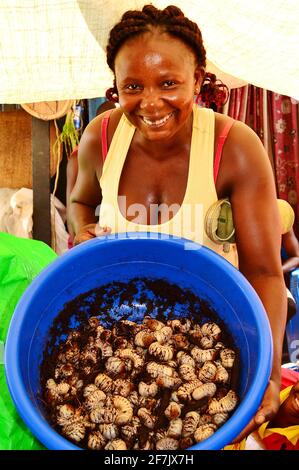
<point>130,79</point>
<point>162,76</point>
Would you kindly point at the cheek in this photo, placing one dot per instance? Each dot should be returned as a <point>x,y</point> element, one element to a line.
<point>128,100</point>
<point>186,104</point>
<point>182,95</point>
<point>185,99</point>
<point>125,102</point>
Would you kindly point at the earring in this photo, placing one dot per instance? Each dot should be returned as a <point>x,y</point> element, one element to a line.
<point>115,97</point>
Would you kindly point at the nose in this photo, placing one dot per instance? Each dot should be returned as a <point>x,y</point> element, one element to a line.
<point>151,100</point>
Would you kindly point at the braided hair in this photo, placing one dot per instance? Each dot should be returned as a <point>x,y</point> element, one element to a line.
<point>213,93</point>
<point>170,20</point>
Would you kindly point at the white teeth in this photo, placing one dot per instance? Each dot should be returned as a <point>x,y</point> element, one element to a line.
<point>159,122</point>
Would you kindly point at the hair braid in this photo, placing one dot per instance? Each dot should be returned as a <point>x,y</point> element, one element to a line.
<point>214,93</point>
<point>128,27</point>
<point>171,20</point>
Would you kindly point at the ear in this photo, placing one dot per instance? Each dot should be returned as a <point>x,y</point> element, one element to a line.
<point>199,75</point>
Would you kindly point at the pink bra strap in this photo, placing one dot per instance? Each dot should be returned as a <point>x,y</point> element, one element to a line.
<point>219,148</point>
<point>104,133</point>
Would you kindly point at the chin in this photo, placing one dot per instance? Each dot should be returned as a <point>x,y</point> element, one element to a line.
<point>155,136</point>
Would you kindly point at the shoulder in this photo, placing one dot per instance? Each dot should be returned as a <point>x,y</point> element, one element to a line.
<point>90,147</point>
<point>238,132</point>
<point>244,157</point>
<point>92,132</point>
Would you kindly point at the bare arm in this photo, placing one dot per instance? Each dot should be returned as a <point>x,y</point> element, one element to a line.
<point>86,194</point>
<point>250,187</point>
<point>71,177</point>
<point>258,232</point>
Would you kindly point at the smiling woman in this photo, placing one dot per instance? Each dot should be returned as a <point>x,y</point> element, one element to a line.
<point>169,161</point>
<point>154,94</point>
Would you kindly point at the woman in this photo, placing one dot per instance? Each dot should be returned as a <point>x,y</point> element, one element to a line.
<point>160,173</point>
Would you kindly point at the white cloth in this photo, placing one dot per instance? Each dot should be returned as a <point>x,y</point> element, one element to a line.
<point>16,210</point>
<point>55,50</point>
<point>254,442</point>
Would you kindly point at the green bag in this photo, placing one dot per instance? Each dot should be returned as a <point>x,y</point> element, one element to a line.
<point>21,260</point>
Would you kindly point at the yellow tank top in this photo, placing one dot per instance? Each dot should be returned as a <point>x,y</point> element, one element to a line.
<point>188,222</point>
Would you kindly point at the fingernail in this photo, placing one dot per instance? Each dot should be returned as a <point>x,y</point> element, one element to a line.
<point>260,419</point>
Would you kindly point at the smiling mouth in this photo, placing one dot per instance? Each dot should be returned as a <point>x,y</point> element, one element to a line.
<point>157,122</point>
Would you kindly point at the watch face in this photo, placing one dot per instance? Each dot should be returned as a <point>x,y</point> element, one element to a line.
<point>48,110</point>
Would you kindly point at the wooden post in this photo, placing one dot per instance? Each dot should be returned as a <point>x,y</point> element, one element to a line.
<point>41,180</point>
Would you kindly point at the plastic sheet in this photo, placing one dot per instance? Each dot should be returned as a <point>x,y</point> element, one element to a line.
<point>21,260</point>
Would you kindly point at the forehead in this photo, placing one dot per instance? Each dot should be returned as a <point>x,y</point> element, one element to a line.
<point>154,49</point>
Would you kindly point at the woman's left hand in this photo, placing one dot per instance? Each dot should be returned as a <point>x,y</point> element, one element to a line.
<point>266,412</point>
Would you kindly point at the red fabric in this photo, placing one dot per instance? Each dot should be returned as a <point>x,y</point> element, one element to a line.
<point>284,130</point>
<point>70,243</point>
<point>237,103</point>
<point>104,132</point>
<point>274,118</point>
<point>220,143</point>
<point>279,442</point>
<point>288,377</point>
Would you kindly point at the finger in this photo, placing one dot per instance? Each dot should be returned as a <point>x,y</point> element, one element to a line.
<point>107,230</point>
<point>102,231</point>
<point>260,418</point>
<point>84,236</point>
<point>82,239</point>
<point>266,412</point>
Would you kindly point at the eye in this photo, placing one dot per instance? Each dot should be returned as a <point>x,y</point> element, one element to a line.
<point>168,83</point>
<point>133,87</point>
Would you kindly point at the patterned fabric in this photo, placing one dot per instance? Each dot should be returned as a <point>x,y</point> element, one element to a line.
<point>274,118</point>
<point>286,150</point>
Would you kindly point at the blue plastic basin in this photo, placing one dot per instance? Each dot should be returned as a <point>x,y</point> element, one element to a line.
<point>100,261</point>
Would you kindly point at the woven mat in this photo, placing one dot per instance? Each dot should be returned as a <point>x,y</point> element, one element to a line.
<point>47,110</point>
<point>56,50</point>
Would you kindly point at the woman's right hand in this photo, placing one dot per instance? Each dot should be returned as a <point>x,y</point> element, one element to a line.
<point>87,232</point>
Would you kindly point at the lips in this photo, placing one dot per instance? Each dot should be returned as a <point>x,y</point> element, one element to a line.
<point>152,122</point>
